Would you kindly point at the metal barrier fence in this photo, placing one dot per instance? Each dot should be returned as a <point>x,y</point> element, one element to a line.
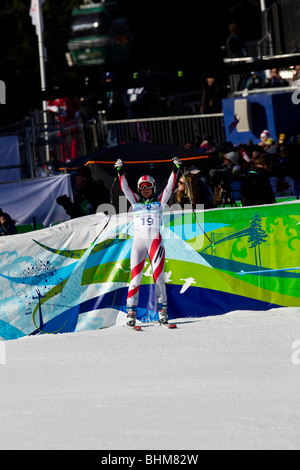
<point>178,130</point>
<point>66,141</point>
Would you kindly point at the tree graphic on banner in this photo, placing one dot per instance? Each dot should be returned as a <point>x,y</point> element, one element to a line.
<point>257,236</point>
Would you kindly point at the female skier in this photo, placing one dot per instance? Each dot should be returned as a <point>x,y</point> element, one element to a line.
<point>147,212</point>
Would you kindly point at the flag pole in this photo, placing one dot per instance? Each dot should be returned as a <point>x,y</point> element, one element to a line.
<point>41,48</point>
<point>42,69</point>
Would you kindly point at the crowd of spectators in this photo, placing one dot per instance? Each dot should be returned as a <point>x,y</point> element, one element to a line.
<point>236,49</point>
<point>235,175</point>
<point>257,80</point>
<point>242,173</point>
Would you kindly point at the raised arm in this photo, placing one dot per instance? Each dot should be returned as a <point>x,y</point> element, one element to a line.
<point>129,194</point>
<point>167,192</point>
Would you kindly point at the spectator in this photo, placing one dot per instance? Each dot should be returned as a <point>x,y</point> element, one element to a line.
<point>232,161</point>
<point>293,166</point>
<point>256,187</point>
<point>53,164</point>
<point>136,100</point>
<point>249,81</point>
<point>211,97</point>
<point>265,138</point>
<point>271,147</point>
<point>189,146</point>
<point>297,73</point>
<point>245,150</point>
<point>205,194</point>
<point>282,139</point>
<point>295,141</point>
<point>88,195</point>
<point>183,194</point>
<point>88,102</point>
<point>230,167</point>
<point>275,80</point>
<point>280,160</point>
<point>207,145</point>
<point>115,108</point>
<point>235,44</point>
<point>7,225</point>
<point>226,180</point>
<point>66,110</point>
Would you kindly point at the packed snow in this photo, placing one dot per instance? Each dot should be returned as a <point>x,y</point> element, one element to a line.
<point>220,382</point>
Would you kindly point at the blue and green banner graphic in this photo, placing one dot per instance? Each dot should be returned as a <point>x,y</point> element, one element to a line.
<point>75,276</point>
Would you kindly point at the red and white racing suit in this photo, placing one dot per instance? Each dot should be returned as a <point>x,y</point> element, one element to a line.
<point>147,240</point>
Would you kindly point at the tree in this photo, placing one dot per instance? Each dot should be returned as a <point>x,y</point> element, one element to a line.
<point>167,36</point>
<point>57,14</point>
<point>19,61</point>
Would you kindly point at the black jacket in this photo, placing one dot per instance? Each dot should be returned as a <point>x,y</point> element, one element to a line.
<point>8,228</point>
<point>256,188</point>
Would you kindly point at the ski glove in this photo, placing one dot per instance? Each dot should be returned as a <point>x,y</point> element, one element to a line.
<point>119,166</point>
<point>177,164</point>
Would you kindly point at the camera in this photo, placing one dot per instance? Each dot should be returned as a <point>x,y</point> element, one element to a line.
<point>64,201</point>
<point>222,179</point>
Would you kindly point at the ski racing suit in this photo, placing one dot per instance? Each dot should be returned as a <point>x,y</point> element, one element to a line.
<point>147,240</point>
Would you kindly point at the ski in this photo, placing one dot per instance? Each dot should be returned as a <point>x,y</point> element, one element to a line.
<point>135,328</point>
<point>170,326</point>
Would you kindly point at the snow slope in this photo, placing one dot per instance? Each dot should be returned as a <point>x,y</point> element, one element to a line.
<point>226,382</point>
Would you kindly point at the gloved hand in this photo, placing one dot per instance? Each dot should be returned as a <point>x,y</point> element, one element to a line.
<point>177,164</point>
<point>119,166</point>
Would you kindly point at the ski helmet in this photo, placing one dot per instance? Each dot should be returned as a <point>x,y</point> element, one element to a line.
<point>147,181</point>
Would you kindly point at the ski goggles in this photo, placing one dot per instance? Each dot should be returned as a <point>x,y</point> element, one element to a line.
<point>146,185</point>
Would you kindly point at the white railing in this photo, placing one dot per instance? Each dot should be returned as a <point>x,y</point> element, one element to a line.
<point>178,130</point>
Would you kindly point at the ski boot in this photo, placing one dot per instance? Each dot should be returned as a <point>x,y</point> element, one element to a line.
<point>163,313</point>
<point>131,317</point>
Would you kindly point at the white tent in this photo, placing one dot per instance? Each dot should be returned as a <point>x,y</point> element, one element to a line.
<point>10,165</point>
<point>26,199</point>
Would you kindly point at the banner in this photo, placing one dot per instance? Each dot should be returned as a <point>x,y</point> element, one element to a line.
<point>75,276</point>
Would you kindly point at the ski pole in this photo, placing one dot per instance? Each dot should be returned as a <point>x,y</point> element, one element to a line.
<point>112,190</point>
<point>190,198</point>
<point>113,185</point>
<point>102,230</point>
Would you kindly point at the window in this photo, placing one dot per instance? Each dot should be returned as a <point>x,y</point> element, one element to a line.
<point>92,24</point>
